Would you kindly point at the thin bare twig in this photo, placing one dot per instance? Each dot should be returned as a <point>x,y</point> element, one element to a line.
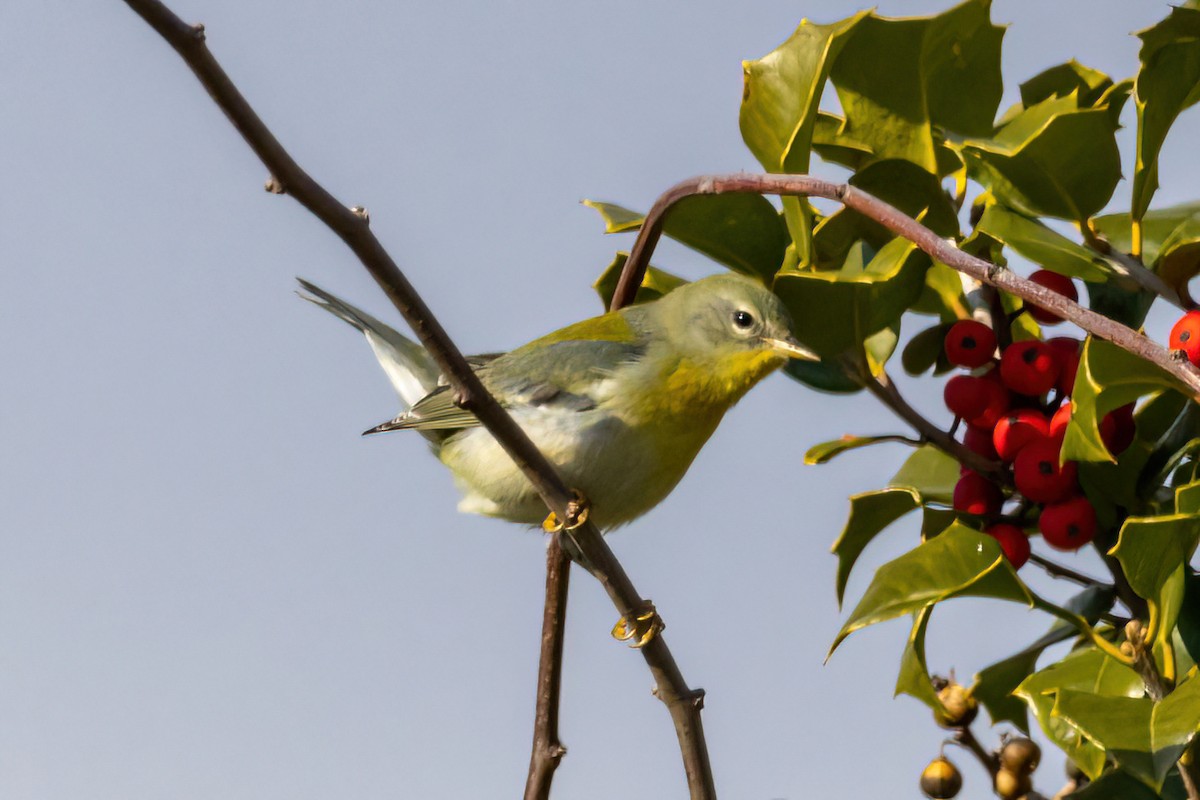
<point>883,388</point>
<point>964,737</point>
<point>1059,571</point>
<point>903,225</point>
<point>352,227</point>
<point>547,749</point>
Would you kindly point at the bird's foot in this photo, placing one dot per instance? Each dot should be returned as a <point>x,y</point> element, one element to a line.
<point>638,631</point>
<point>577,514</point>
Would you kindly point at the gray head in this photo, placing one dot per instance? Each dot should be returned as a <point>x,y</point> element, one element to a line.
<point>726,312</point>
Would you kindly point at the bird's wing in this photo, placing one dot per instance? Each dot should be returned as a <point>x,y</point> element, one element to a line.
<point>562,375</point>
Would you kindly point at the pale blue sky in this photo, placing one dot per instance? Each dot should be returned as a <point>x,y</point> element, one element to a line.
<point>211,587</point>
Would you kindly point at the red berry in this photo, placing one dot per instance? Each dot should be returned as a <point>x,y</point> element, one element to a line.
<point>998,401</point>
<point>1016,429</point>
<point>1068,525</point>
<point>1065,344</point>
<point>979,440</point>
<point>1058,423</point>
<point>975,494</point>
<point>966,396</point>
<point>1185,336</point>
<point>1038,475</point>
<point>1030,367</point>
<point>1013,542</point>
<point>1068,359</point>
<point>1117,429</point>
<point>1055,283</point>
<point>970,343</point>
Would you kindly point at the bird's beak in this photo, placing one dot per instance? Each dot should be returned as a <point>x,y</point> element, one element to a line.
<point>791,348</point>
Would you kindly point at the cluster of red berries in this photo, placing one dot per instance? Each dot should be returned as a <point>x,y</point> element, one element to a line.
<point>1016,411</point>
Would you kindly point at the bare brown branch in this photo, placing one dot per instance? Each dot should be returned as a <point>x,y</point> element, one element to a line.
<point>547,749</point>
<point>352,228</point>
<point>903,225</point>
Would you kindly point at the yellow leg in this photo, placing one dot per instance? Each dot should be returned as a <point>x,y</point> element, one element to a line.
<point>577,514</point>
<point>644,626</point>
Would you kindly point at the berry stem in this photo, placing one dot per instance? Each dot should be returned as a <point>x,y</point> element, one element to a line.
<point>882,387</point>
<point>1059,571</point>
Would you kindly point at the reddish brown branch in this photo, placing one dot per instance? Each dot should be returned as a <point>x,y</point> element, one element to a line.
<point>352,228</point>
<point>903,225</point>
<point>547,749</point>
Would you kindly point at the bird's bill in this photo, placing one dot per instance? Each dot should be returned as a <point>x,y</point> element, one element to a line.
<point>791,348</point>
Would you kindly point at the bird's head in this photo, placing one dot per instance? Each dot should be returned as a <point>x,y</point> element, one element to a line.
<point>728,315</point>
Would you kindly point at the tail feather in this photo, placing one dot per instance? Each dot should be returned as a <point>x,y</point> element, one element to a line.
<point>409,367</point>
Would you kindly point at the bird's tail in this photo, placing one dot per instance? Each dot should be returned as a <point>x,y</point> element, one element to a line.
<point>407,364</point>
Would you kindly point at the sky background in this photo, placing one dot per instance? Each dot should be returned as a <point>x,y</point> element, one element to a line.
<point>212,587</point>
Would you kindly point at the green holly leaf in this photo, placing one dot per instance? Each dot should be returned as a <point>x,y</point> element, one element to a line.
<point>1145,737</point>
<point>835,311</point>
<point>870,514</point>
<point>902,184</point>
<point>1188,624</point>
<point>913,679</point>
<point>1108,378</point>
<point>1084,670</point>
<point>824,376</point>
<point>1157,227</point>
<point>926,351</point>
<point>655,283</point>
<point>1168,83</point>
<point>1041,245</point>
<point>899,79</point>
<point>1053,159</point>
<point>943,295</point>
<point>780,97</point>
<point>930,473</point>
<point>1062,80</point>
<point>827,451</point>
<point>995,683</point>
<point>1118,784</point>
<point>831,142</point>
<point>740,231</point>
<point>1150,549</point>
<point>958,563</point>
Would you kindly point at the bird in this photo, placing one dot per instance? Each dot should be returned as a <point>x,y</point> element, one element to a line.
<point>620,403</point>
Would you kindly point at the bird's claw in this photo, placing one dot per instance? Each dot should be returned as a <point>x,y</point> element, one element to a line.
<point>645,625</point>
<point>577,514</point>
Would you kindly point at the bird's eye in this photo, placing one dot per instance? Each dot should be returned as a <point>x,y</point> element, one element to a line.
<point>742,319</point>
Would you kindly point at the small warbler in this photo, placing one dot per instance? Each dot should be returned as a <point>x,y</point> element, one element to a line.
<point>620,403</point>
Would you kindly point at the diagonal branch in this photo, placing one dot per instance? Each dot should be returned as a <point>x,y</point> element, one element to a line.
<point>683,702</point>
<point>903,225</point>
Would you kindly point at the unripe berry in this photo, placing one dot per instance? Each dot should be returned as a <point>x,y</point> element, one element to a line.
<point>1055,283</point>
<point>1010,785</point>
<point>1030,367</point>
<point>957,708</point>
<point>1020,755</point>
<point>975,494</point>
<point>1185,336</point>
<point>941,780</point>
<point>1016,429</point>
<point>1039,476</point>
<point>1068,525</point>
<point>1013,542</point>
<point>970,343</point>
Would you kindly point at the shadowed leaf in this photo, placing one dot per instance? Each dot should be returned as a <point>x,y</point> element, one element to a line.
<point>1168,83</point>
<point>870,514</point>
<point>1041,245</point>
